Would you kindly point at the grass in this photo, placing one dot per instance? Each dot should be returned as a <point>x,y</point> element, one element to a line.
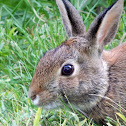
<point>27,30</point>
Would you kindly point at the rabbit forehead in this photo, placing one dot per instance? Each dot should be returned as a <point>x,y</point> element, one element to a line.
<point>76,41</point>
<point>67,50</point>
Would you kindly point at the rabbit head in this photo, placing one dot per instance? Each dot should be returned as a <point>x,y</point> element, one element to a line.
<point>75,71</point>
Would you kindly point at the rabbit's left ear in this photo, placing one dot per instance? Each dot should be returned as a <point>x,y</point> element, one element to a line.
<point>72,21</point>
<point>104,27</point>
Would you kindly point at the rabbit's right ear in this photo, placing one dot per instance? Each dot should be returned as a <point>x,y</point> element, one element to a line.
<point>72,21</point>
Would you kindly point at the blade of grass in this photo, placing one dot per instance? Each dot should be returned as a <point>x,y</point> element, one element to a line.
<point>37,117</point>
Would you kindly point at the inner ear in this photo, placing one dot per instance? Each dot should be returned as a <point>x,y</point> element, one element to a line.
<point>104,27</point>
<point>109,25</point>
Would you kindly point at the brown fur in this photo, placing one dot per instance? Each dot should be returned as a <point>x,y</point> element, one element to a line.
<point>114,100</point>
<point>98,84</point>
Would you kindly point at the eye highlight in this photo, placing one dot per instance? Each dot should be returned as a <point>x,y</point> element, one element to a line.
<point>67,70</point>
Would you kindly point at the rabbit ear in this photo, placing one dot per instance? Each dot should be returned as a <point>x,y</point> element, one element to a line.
<point>104,27</point>
<point>72,21</point>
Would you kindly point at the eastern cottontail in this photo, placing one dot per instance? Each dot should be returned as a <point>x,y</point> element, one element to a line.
<point>80,71</point>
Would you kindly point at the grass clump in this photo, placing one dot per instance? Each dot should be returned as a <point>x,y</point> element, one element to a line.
<point>29,28</point>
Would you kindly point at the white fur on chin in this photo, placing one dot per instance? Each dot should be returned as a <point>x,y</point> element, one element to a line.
<point>51,105</point>
<point>36,100</point>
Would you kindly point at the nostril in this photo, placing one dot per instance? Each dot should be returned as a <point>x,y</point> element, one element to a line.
<point>32,94</point>
<point>33,97</point>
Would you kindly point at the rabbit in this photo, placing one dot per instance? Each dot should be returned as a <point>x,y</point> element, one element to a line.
<point>80,71</point>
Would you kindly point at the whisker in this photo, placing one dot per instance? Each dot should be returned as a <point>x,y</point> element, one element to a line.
<point>107,98</point>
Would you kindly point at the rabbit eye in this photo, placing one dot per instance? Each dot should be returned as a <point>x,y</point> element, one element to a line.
<point>67,70</point>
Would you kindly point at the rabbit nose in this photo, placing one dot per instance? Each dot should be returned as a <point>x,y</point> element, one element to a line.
<point>32,94</point>
<point>33,97</point>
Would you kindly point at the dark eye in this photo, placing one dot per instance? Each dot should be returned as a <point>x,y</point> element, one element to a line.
<point>67,70</point>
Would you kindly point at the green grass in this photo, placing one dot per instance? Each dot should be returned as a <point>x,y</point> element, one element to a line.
<point>28,28</point>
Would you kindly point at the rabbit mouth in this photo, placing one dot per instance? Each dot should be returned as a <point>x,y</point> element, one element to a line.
<point>51,105</point>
